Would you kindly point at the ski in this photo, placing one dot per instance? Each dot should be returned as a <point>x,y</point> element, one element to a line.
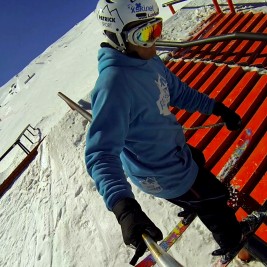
<point>75,106</point>
<point>167,242</point>
<point>256,218</point>
<point>180,228</point>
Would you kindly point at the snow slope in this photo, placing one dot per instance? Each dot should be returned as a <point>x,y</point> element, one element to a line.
<point>53,215</point>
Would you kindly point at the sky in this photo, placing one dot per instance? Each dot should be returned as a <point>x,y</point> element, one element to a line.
<point>27,28</point>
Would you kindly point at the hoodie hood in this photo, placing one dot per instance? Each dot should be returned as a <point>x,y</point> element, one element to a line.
<point>108,57</point>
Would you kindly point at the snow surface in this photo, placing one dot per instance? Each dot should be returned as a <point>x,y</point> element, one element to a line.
<point>53,215</point>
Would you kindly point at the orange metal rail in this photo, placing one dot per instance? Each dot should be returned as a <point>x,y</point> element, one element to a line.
<point>246,93</point>
<point>243,91</point>
<point>215,3</point>
<point>245,53</point>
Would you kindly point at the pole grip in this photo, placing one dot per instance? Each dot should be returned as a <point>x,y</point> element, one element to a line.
<point>76,107</point>
<point>162,258</point>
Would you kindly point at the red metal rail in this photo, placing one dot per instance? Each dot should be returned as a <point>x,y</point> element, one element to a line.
<point>245,53</point>
<point>246,93</point>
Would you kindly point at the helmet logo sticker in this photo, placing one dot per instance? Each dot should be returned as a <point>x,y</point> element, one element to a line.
<point>109,16</point>
<point>107,19</point>
<point>136,8</point>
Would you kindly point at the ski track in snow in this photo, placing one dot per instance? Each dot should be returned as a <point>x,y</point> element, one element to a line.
<point>56,197</point>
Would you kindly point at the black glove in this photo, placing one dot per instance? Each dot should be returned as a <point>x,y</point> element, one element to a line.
<point>232,119</point>
<point>134,222</point>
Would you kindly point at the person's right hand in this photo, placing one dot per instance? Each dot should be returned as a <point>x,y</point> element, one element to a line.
<point>232,120</point>
<point>134,222</point>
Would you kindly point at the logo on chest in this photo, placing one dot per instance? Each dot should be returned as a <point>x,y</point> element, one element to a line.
<point>151,185</point>
<point>164,96</point>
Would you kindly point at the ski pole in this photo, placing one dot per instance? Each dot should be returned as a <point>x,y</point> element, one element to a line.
<point>76,107</point>
<point>162,258</point>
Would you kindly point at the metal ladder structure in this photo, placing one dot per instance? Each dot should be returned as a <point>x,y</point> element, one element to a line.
<point>242,90</point>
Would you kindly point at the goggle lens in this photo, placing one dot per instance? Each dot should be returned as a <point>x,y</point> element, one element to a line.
<point>149,33</point>
<point>145,34</point>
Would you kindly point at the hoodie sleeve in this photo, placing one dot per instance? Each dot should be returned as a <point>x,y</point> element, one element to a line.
<point>105,141</point>
<point>184,97</point>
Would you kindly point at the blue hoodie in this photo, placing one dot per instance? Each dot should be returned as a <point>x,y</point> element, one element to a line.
<point>134,133</point>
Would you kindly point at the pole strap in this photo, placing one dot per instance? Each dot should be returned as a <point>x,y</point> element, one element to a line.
<point>205,126</point>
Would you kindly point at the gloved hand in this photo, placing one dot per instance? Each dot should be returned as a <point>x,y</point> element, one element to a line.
<point>232,120</point>
<point>134,222</point>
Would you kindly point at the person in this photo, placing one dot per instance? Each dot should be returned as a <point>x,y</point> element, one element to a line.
<point>133,133</point>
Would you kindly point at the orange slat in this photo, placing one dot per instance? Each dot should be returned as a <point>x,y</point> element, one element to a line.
<point>169,64</point>
<point>228,50</point>
<point>262,232</point>
<point>232,100</point>
<point>230,46</point>
<point>195,81</point>
<point>185,69</point>
<point>210,83</point>
<point>261,60</point>
<point>243,18</point>
<point>255,48</point>
<point>202,77</point>
<point>219,92</point>
<point>250,103</point>
<point>257,124</point>
<point>227,83</point>
<point>209,51</point>
<point>259,193</point>
<point>251,23</point>
<point>241,214</point>
<point>244,180</point>
<point>209,24</point>
<point>216,27</point>
<point>178,65</point>
<point>220,28</point>
<point>194,72</point>
<point>244,45</point>
<point>220,142</point>
<point>237,51</point>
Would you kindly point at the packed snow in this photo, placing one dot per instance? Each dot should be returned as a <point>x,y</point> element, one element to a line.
<point>53,215</point>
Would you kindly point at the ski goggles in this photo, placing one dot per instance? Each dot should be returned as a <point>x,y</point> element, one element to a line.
<point>145,34</point>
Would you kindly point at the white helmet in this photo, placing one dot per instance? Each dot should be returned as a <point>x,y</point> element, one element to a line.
<point>115,14</point>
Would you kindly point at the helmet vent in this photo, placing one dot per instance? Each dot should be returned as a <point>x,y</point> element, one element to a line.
<point>110,1</point>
